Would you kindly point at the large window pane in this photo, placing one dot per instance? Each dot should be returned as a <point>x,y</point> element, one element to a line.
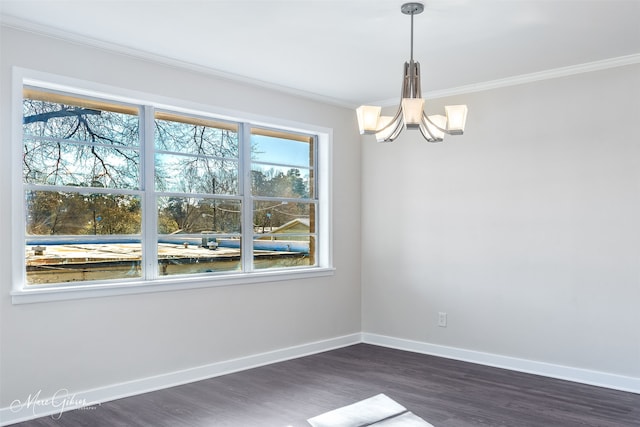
<point>198,235</point>
<point>284,234</point>
<point>69,261</point>
<point>282,164</point>
<point>195,155</point>
<point>191,174</point>
<point>193,135</point>
<point>280,181</point>
<point>71,213</point>
<point>281,150</point>
<point>52,115</point>
<point>282,252</point>
<point>278,217</point>
<point>282,169</point>
<point>182,256</point>
<point>78,142</point>
<point>187,215</point>
<point>56,163</point>
<point>78,237</point>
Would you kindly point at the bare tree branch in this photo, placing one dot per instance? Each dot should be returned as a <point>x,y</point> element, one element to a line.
<point>44,117</point>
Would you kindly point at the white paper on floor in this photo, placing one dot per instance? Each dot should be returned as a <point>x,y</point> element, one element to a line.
<point>379,411</point>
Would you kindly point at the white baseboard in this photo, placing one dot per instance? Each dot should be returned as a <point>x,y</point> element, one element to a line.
<point>35,405</point>
<point>584,376</point>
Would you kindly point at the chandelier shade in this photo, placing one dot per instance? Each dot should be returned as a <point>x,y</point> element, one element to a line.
<point>410,113</point>
<point>368,117</point>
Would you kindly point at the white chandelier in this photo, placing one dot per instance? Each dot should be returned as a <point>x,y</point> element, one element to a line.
<point>410,113</point>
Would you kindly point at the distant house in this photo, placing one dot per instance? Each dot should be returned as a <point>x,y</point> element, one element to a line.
<point>295,226</point>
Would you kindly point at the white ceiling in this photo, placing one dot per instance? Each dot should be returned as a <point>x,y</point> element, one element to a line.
<point>350,51</point>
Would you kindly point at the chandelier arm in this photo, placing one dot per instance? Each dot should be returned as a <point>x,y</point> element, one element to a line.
<point>429,138</point>
<point>425,117</point>
<point>424,129</point>
<point>394,120</point>
<point>396,131</point>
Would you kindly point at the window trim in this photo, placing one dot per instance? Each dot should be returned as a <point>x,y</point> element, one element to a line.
<point>21,293</point>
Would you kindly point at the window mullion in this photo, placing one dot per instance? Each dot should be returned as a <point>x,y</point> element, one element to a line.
<point>315,223</point>
<point>247,197</point>
<point>149,209</point>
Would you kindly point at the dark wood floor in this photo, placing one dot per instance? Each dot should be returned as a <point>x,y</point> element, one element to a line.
<point>444,392</point>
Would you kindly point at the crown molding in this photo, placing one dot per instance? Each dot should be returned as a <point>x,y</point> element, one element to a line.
<point>78,39</point>
<point>29,26</point>
<point>526,78</point>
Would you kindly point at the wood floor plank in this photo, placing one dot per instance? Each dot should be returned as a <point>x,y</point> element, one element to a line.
<point>447,393</point>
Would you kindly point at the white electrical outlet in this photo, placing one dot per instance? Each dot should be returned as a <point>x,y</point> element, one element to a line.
<point>442,319</point>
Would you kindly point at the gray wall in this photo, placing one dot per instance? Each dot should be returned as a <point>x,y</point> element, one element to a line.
<point>82,344</point>
<point>525,230</point>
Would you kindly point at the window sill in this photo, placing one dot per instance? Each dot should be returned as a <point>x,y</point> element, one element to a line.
<point>71,292</point>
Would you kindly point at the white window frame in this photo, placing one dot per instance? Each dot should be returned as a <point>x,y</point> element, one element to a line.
<point>23,293</point>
